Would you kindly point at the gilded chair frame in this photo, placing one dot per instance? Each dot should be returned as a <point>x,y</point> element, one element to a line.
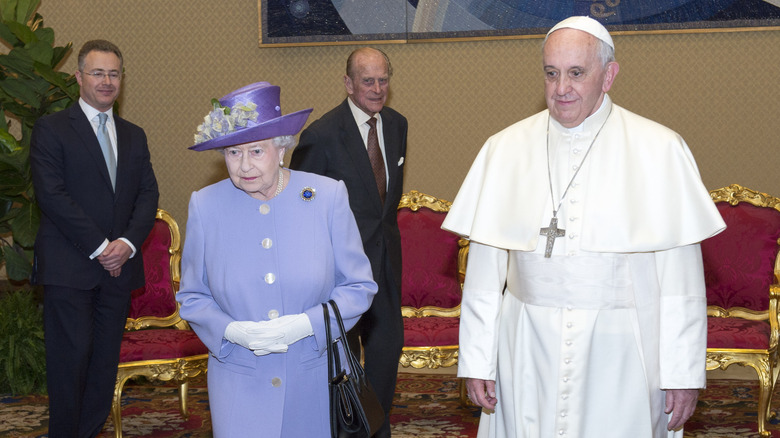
<point>763,361</point>
<point>432,356</point>
<point>179,370</point>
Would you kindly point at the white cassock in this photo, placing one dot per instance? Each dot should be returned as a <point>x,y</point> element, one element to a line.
<point>582,344</point>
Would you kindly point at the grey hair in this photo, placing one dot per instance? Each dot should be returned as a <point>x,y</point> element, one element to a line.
<point>99,46</point>
<point>281,142</point>
<point>285,142</point>
<point>356,52</point>
<point>604,51</point>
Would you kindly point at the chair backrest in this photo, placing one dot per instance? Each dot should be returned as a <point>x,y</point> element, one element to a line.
<point>430,254</point>
<point>741,262</point>
<point>154,304</point>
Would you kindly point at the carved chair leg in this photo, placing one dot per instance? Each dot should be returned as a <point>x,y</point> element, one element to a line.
<point>464,400</point>
<point>765,380</point>
<point>116,405</point>
<point>183,398</point>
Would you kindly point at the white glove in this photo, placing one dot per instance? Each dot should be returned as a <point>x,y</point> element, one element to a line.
<point>284,331</point>
<point>251,335</point>
<point>275,348</point>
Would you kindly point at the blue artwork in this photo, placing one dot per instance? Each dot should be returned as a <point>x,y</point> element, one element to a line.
<point>323,21</point>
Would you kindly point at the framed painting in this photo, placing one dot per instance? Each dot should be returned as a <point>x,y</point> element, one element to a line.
<point>314,22</point>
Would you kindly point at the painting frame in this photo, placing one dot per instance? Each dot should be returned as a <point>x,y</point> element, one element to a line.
<point>269,36</point>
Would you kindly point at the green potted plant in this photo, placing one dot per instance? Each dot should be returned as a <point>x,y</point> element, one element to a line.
<point>22,350</point>
<point>30,87</point>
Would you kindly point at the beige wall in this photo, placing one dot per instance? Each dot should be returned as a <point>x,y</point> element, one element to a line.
<point>719,90</point>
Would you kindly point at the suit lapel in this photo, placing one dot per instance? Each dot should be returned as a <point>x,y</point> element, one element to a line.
<point>83,128</point>
<point>392,153</point>
<point>356,149</point>
<point>122,151</point>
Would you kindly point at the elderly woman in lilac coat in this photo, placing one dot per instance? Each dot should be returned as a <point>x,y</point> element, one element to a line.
<point>264,248</point>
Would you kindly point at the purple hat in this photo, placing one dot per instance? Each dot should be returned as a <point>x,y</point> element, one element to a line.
<point>251,113</point>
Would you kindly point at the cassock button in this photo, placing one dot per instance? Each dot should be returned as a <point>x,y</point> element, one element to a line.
<point>565,396</point>
<point>576,151</point>
<point>563,414</point>
<point>568,325</point>
<point>572,236</point>
<point>267,243</point>
<point>276,382</point>
<point>565,380</point>
<point>568,343</point>
<point>273,314</point>
<point>573,201</point>
<point>561,432</point>
<point>265,209</point>
<point>270,278</point>
<point>567,361</point>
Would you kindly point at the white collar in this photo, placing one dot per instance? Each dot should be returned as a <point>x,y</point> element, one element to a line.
<point>359,115</point>
<point>91,112</point>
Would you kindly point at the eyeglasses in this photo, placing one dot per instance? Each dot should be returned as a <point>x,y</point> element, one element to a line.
<point>101,75</point>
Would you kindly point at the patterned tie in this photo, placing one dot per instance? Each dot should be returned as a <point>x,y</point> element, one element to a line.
<point>375,156</point>
<point>105,145</point>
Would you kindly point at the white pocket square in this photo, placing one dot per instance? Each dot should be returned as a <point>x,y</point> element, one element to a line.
<point>401,161</point>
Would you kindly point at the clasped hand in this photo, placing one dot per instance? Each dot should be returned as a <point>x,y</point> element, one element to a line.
<point>274,336</point>
<point>114,256</point>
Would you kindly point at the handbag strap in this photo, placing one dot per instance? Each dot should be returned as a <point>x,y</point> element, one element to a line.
<point>354,366</point>
<point>335,370</point>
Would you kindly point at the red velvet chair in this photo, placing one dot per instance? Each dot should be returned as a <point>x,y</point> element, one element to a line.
<point>742,272</point>
<point>433,272</point>
<point>158,344</point>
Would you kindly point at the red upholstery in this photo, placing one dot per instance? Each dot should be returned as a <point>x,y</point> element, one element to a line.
<point>160,344</point>
<point>430,260</point>
<point>157,343</point>
<point>431,331</point>
<point>742,293</point>
<point>739,262</point>
<point>737,333</point>
<point>156,297</point>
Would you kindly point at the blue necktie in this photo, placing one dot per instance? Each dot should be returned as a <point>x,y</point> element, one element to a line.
<point>105,145</point>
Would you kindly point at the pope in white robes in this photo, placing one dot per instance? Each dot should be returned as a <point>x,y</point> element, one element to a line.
<point>592,324</point>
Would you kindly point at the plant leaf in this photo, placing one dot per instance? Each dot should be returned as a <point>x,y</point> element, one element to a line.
<point>6,34</point>
<point>8,142</point>
<point>16,265</point>
<point>22,31</point>
<point>40,51</point>
<point>18,61</point>
<point>25,225</point>
<point>25,9</point>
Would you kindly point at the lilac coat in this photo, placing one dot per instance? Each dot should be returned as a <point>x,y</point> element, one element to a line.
<point>240,264</point>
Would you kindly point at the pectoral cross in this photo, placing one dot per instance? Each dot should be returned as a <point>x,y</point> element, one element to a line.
<point>552,232</point>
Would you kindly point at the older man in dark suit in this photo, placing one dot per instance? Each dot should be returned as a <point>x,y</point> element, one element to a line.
<point>363,143</point>
<point>95,186</point>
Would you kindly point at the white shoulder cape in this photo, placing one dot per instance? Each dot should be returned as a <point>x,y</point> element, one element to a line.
<point>643,192</point>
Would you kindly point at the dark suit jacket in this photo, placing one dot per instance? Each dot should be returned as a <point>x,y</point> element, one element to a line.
<point>332,146</point>
<point>79,207</point>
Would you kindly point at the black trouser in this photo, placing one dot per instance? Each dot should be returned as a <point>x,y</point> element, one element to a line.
<point>83,337</point>
<point>381,330</point>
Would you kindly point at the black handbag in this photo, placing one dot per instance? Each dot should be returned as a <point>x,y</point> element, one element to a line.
<point>355,411</point>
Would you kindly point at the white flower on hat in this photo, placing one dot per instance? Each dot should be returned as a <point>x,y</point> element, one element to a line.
<point>222,120</point>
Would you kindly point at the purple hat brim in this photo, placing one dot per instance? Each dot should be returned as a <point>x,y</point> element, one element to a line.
<point>288,124</point>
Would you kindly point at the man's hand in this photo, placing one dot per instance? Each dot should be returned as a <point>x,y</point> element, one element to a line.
<point>482,392</point>
<point>681,403</point>
<point>114,257</point>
